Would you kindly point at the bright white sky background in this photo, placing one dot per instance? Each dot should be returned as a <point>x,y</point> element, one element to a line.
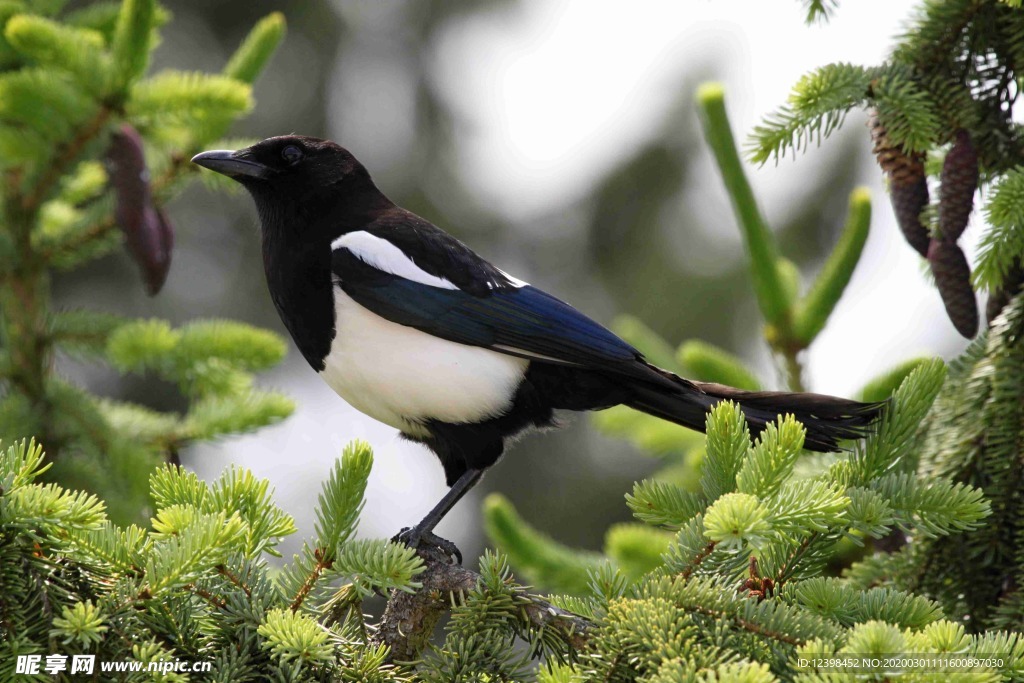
<point>551,94</point>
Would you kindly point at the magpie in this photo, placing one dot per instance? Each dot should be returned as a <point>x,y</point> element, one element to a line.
<point>413,328</point>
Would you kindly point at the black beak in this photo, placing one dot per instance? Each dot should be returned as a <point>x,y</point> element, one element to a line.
<point>225,161</point>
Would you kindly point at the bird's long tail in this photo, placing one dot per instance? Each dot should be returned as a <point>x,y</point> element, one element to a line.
<point>828,419</point>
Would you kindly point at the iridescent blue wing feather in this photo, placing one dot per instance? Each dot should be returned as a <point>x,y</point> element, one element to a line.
<point>519,320</point>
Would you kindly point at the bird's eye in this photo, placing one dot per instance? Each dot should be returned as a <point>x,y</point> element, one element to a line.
<point>291,154</point>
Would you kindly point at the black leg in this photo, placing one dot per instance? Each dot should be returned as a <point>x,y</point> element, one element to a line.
<point>424,530</point>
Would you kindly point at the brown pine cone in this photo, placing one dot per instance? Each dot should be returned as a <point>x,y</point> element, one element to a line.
<point>953,278</point>
<point>908,185</point>
<point>900,166</point>
<point>959,181</point>
<point>908,201</point>
<point>147,232</point>
<point>155,259</point>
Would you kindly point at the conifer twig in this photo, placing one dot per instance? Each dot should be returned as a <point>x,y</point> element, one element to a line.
<point>215,600</point>
<point>747,625</point>
<point>759,240</point>
<point>323,562</point>
<point>785,571</point>
<point>226,573</point>
<point>67,154</point>
<point>409,618</point>
<point>701,556</point>
<point>773,299</point>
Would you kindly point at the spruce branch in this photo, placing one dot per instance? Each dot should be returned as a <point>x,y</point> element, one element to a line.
<point>910,403</point>
<point>1002,245</point>
<point>769,618</point>
<point>759,240</point>
<point>789,567</point>
<point>906,109</point>
<point>737,521</point>
<point>226,573</point>
<point>162,187</point>
<point>814,309</point>
<point>322,564</point>
<point>133,39</point>
<point>770,462</point>
<point>257,48</point>
<point>663,504</point>
<point>882,387</point>
<point>46,101</point>
<point>791,323</point>
<point>728,442</point>
<point>189,95</point>
<point>816,107</point>
<point>819,10</point>
<point>378,565</point>
<point>338,506</point>
<point>49,43</point>
<point>215,600</point>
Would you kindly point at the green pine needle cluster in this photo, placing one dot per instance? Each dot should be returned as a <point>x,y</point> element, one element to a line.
<point>196,584</point>
<point>741,576</point>
<point>1002,245</point>
<point>68,80</point>
<point>974,436</point>
<point>817,106</point>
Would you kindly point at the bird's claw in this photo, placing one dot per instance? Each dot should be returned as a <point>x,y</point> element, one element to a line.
<point>413,538</point>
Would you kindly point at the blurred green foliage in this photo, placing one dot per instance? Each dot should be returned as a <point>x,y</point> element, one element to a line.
<point>71,81</point>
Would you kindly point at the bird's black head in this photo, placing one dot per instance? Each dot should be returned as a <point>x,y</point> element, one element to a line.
<point>304,188</point>
<point>292,164</point>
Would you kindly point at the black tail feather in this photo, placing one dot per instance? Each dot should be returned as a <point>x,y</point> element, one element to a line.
<point>828,419</point>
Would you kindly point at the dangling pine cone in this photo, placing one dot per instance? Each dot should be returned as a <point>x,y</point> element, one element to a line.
<point>148,234</point>
<point>908,202</point>
<point>908,185</point>
<point>959,181</point>
<point>953,278</point>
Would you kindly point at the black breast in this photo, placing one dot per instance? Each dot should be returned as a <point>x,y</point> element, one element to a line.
<point>299,278</point>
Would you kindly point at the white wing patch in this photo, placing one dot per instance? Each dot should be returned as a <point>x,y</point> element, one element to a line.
<point>385,256</point>
<point>516,282</point>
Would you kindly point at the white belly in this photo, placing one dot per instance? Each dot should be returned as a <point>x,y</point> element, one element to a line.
<point>402,376</point>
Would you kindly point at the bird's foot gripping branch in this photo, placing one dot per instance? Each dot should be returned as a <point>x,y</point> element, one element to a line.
<point>677,595</point>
